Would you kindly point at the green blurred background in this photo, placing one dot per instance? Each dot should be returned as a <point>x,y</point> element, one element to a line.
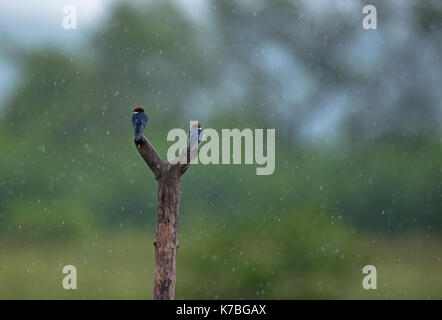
<point>358,156</point>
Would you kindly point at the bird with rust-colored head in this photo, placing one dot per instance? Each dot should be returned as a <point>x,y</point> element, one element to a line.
<point>195,136</point>
<point>139,122</point>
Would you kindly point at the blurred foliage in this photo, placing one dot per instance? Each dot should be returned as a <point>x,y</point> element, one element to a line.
<point>73,188</point>
<point>267,257</point>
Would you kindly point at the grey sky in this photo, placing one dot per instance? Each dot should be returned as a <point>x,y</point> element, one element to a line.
<point>36,22</point>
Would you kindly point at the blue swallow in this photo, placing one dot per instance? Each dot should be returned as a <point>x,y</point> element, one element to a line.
<point>139,122</point>
<point>195,136</point>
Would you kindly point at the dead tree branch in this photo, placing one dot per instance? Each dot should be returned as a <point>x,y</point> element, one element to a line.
<point>168,176</point>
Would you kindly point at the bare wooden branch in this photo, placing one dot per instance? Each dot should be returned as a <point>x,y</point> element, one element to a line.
<point>149,154</point>
<point>168,176</point>
<point>184,159</point>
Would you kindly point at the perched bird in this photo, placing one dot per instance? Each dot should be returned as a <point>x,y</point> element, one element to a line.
<point>195,136</point>
<point>139,122</point>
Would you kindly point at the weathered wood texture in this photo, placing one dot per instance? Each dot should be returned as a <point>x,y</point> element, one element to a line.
<point>168,176</point>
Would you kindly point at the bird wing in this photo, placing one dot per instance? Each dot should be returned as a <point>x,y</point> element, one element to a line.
<point>193,138</point>
<point>139,124</point>
<point>201,136</point>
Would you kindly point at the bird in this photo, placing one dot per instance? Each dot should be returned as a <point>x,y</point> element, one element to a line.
<point>195,136</point>
<point>139,122</point>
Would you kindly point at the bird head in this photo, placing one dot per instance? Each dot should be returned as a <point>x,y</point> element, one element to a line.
<point>138,110</point>
<point>197,126</point>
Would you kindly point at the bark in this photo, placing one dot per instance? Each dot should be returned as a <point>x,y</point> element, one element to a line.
<point>166,243</point>
<point>168,176</point>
